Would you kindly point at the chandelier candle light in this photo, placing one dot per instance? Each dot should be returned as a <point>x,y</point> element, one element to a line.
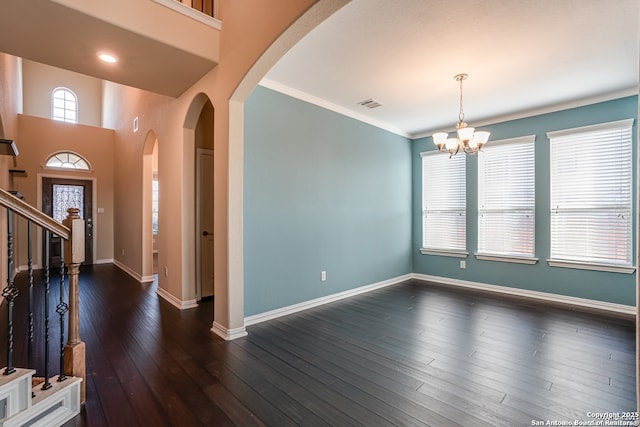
<point>467,139</point>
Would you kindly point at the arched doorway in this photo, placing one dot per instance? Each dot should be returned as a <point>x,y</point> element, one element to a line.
<point>204,203</point>
<point>229,303</point>
<point>198,186</point>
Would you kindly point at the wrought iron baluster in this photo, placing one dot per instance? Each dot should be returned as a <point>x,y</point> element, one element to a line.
<point>47,250</point>
<point>10,292</point>
<point>62,309</point>
<point>30,283</point>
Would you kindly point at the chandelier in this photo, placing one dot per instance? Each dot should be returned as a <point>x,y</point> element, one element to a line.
<point>467,139</point>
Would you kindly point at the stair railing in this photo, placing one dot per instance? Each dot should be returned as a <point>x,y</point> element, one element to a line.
<point>208,7</point>
<point>71,231</point>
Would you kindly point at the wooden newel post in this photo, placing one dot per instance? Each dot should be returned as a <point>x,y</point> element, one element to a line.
<point>74,350</point>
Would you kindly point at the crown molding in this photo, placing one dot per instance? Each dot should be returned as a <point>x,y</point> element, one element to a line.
<point>323,103</point>
<point>543,110</point>
<point>312,99</point>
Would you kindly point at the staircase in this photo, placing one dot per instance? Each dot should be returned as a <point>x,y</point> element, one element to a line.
<point>22,404</point>
<point>43,400</point>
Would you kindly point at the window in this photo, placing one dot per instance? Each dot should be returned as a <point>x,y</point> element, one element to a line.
<point>65,197</point>
<point>506,200</point>
<point>444,204</point>
<point>64,105</point>
<point>67,160</point>
<point>591,197</point>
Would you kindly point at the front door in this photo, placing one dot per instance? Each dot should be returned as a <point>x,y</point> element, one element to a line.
<point>60,194</point>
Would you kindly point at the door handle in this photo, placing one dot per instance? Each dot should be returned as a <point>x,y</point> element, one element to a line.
<point>205,233</point>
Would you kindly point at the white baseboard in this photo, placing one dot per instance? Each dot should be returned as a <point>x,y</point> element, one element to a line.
<point>604,307</point>
<point>147,279</point>
<point>263,317</point>
<point>178,303</point>
<point>228,334</point>
<point>105,261</point>
<point>135,275</point>
<point>127,270</point>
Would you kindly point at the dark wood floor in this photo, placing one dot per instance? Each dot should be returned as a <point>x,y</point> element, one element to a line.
<point>409,355</point>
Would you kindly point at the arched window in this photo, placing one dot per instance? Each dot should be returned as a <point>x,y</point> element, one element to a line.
<point>67,160</point>
<point>64,105</point>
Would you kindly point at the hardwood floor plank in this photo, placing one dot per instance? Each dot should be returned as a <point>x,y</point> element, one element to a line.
<point>146,407</point>
<point>265,411</point>
<point>386,412</point>
<point>403,398</point>
<point>235,410</point>
<point>356,415</point>
<point>279,391</point>
<point>411,354</point>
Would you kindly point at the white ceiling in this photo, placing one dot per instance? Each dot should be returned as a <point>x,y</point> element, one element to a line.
<point>51,33</point>
<point>521,56</point>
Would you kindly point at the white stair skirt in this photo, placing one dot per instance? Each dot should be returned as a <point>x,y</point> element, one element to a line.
<point>47,408</point>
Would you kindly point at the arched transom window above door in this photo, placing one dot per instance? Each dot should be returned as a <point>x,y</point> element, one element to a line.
<point>67,160</point>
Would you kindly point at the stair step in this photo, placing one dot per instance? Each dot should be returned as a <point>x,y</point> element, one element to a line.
<point>15,392</point>
<point>47,408</point>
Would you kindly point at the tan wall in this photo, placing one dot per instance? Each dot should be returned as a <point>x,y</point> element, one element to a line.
<point>10,95</point>
<point>10,106</point>
<point>249,27</point>
<point>41,137</point>
<point>152,112</point>
<point>39,82</point>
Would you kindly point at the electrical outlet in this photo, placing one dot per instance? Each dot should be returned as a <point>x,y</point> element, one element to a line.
<point>166,271</point>
<point>463,264</point>
<point>323,276</point>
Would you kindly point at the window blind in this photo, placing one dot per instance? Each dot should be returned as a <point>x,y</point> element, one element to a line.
<point>444,202</point>
<point>591,194</point>
<point>506,198</point>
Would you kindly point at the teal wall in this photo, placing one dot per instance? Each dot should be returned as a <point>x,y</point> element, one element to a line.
<point>321,192</point>
<point>611,287</point>
<point>326,192</point>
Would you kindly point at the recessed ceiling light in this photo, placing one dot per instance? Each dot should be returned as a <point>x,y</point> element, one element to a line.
<point>107,57</point>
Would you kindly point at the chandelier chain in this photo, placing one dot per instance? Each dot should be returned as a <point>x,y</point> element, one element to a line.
<point>461,113</point>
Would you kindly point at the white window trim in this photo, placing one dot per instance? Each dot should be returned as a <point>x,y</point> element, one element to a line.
<point>518,139</point>
<point>504,258</point>
<point>441,251</point>
<point>54,168</point>
<point>508,258</point>
<point>454,254</point>
<point>590,128</point>
<point>75,97</point>
<point>612,268</point>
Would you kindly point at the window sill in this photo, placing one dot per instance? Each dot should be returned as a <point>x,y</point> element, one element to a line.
<point>443,252</point>
<point>590,266</point>
<point>506,258</point>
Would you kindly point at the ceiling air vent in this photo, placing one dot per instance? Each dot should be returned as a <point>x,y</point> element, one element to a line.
<point>370,103</point>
